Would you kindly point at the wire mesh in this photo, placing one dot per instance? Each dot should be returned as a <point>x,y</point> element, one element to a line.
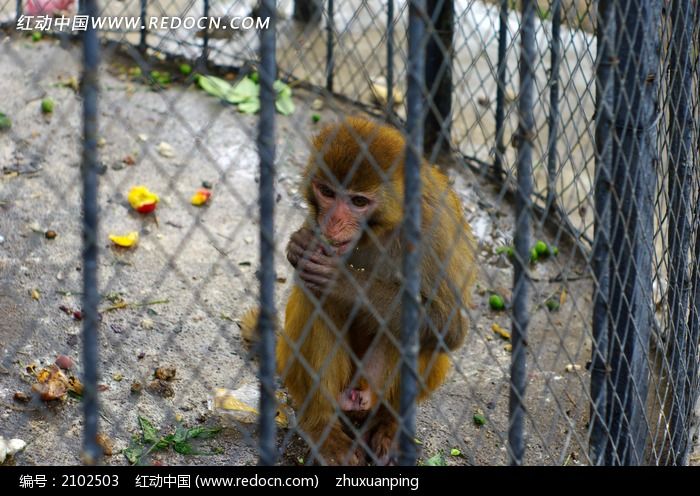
<point>559,225</point>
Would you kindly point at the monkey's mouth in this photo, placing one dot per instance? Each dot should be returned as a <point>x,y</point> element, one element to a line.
<point>343,247</point>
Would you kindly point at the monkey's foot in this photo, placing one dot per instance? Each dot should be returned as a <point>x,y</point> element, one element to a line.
<point>383,441</point>
<point>355,400</point>
<point>339,449</point>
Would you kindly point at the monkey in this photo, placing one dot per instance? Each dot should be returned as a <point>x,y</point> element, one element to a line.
<point>338,353</point>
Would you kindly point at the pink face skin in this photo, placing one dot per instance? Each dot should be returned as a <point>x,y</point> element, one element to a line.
<point>340,214</point>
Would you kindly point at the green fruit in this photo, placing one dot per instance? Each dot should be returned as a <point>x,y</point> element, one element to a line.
<point>479,419</point>
<point>505,250</point>
<point>47,105</point>
<point>542,249</point>
<point>5,122</point>
<point>185,69</point>
<point>135,72</point>
<point>36,36</point>
<point>496,302</point>
<point>255,77</point>
<point>552,305</point>
<point>533,255</point>
<point>315,118</point>
<point>554,251</point>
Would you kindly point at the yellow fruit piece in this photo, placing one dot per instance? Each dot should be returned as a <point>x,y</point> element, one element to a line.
<point>200,197</point>
<point>141,199</point>
<point>500,331</point>
<point>126,241</point>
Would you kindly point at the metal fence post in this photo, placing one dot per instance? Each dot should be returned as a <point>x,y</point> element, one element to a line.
<point>523,213</point>
<point>144,31</point>
<point>679,230</point>
<point>501,88</point>
<point>390,59</point>
<point>330,60</point>
<point>411,232</point>
<point>632,239</point>
<point>91,295</point>
<point>204,57</point>
<point>438,77</point>
<point>267,319</point>
<point>553,117</point>
<point>307,11</point>
<point>600,260</point>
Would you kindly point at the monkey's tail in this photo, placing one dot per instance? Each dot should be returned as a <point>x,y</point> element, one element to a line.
<point>248,324</point>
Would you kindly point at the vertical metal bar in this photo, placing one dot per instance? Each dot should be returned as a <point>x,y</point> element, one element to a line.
<point>204,57</point>
<point>330,61</point>
<point>438,77</point>
<point>632,211</point>
<point>18,10</point>
<point>693,350</point>
<point>501,88</point>
<point>267,319</point>
<point>411,232</point>
<point>390,59</point>
<point>553,118</point>
<point>601,243</point>
<point>679,229</point>
<point>91,295</point>
<point>144,31</point>
<point>307,11</point>
<point>523,212</point>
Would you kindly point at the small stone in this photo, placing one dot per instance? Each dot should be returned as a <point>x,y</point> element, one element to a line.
<point>101,142</point>
<point>248,240</point>
<point>64,362</point>
<point>165,150</point>
<point>147,324</point>
<point>143,137</point>
<point>317,104</point>
<point>571,367</point>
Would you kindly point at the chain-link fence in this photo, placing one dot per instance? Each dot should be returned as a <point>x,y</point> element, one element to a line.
<point>222,240</point>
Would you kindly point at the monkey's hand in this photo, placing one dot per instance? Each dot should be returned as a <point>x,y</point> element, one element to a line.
<point>307,255</point>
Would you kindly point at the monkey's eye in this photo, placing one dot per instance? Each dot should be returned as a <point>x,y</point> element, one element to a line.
<point>360,201</point>
<point>326,191</point>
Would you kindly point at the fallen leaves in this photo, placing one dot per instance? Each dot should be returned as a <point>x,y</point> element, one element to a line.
<point>246,93</point>
<point>151,439</point>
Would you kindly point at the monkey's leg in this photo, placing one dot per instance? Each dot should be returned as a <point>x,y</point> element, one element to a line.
<point>316,382</point>
<point>383,432</point>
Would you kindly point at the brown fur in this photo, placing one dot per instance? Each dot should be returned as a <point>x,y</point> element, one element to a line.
<point>315,351</point>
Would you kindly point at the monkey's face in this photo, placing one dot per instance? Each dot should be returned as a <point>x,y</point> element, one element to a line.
<point>341,214</point>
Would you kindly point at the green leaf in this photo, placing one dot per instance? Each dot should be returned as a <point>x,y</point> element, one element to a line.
<point>150,434</point>
<point>203,432</point>
<point>284,105</point>
<point>282,89</point>
<point>479,419</point>
<point>455,452</point>
<point>251,106</point>
<point>180,435</point>
<point>215,86</point>
<point>5,122</point>
<point>184,448</point>
<point>164,442</point>
<point>436,461</point>
<point>245,89</point>
<point>133,453</point>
